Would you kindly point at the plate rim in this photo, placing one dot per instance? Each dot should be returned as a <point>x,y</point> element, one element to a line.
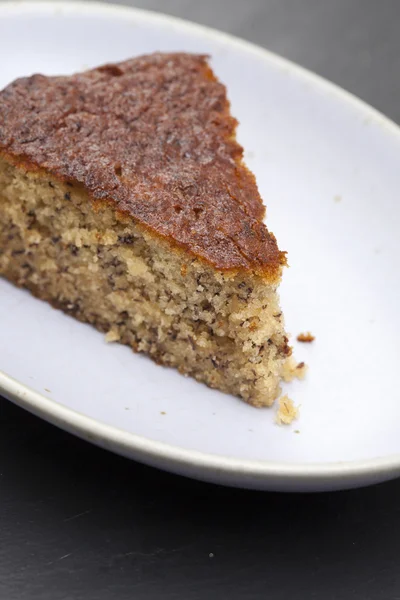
<point>214,467</point>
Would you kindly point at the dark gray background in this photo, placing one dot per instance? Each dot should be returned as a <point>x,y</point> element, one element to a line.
<point>79,523</point>
<point>355,43</point>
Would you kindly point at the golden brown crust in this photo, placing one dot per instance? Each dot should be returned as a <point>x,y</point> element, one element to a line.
<point>154,136</point>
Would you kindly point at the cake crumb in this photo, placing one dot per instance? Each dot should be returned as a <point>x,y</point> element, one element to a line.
<point>287,411</point>
<point>163,412</point>
<point>337,198</point>
<point>305,337</point>
<point>112,336</point>
<point>294,370</point>
<point>296,431</point>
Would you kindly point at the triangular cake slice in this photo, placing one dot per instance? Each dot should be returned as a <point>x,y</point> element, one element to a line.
<point>124,202</point>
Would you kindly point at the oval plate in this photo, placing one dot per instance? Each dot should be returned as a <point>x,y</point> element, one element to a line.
<point>327,167</point>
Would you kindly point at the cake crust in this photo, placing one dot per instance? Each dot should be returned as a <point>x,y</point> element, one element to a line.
<point>153,136</point>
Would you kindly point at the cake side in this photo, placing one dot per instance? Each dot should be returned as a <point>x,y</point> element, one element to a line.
<point>154,137</point>
<point>102,267</point>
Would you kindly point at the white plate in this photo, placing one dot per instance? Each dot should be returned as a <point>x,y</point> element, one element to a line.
<point>328,168</point>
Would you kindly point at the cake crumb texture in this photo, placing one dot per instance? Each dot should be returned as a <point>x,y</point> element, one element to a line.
<point>287,412</point>
<point>112,336</point>
<point>293,370</point>
<point>224,329</point>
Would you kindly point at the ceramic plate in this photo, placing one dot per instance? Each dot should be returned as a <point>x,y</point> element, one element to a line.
<point>328,168</point>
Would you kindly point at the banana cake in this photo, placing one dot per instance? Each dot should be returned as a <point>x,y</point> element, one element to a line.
<point>125,202</point>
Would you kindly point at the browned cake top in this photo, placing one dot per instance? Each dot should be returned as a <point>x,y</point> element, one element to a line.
<point>153,135</point>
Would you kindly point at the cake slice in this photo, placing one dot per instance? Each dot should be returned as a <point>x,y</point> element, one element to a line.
<point>124,202</point>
